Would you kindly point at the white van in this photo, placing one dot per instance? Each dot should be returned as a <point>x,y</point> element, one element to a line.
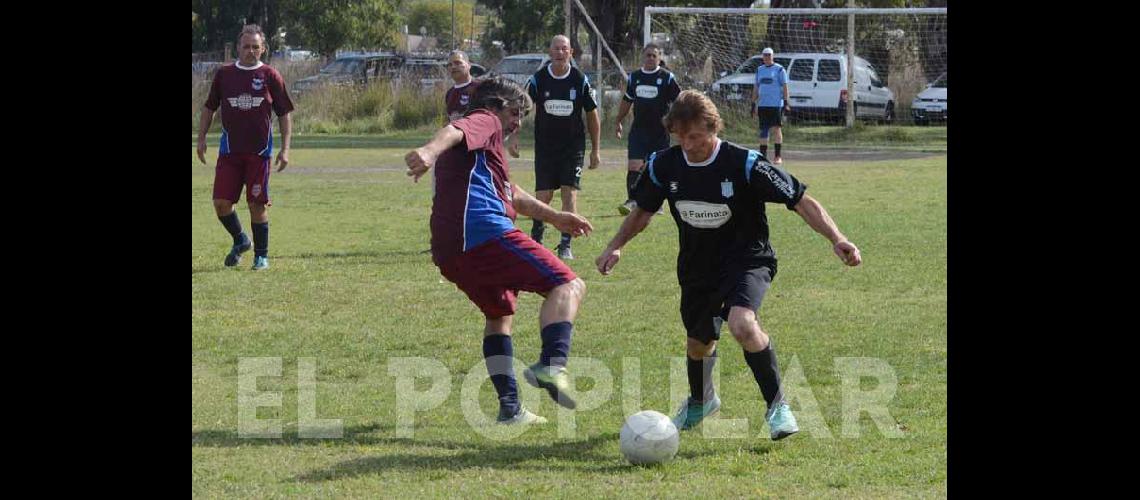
<point>817,86</point>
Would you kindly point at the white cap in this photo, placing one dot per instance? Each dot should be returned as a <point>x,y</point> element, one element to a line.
<point>767,51</point>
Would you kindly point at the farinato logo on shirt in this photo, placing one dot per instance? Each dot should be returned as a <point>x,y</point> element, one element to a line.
<point>646,91</point>
<point>703,215</point>
<point>558,107</point>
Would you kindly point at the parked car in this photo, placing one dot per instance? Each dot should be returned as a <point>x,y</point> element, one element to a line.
<point>930,104</point>
<point>350,70</point>
<point>519,67</point>
<point>817,86</point>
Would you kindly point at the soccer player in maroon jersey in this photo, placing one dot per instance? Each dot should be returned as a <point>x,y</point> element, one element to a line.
<point>476,246</point>
<point>457,97</point>
<point>247,92</point>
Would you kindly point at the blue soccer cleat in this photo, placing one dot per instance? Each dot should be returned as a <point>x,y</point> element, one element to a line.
<point>781,421</point>
<point>260,263</point>
<point>692,412</point>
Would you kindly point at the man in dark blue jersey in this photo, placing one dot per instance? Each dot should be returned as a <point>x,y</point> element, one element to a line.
<point>716,192</point>
<point>649,91</point>
<point>562,95</point>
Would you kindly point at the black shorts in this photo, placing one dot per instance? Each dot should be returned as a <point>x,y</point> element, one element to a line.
<point>770,117</point>
<point>641,144</point>
<point>554,171</point>
<point>704,310</point>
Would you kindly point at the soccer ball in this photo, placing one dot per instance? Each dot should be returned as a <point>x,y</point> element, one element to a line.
<point>648,437</point>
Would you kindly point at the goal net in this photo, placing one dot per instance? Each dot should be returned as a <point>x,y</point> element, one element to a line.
<point>899,55</point>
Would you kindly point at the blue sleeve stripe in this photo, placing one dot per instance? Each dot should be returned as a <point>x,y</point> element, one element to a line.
<point>652,174</point>
<point>752,157</point>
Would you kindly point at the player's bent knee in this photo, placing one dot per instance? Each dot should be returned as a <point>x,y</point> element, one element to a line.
<point>574,289</point>
<point>578,287</point>
<point>696,349</point>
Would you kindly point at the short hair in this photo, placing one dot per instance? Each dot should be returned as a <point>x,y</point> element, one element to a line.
<point>459,53</point>
<point>691,108</point>
<point>251,29</point>
<point>654,46</point>
<point>495,93</point>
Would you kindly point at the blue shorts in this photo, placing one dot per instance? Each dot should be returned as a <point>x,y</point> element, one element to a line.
<point>642,144</point>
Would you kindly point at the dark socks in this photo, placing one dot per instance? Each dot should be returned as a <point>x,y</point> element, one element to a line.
<point>764,150</point>
<point>763,365</point>
<point>536,231</point>
<point>498,352</point>
<point>630,180</point>
<point>778,149</point>
<point>233,226</point>
<point>700,377</point>
<point>260,239</point>
<point>556,343</point>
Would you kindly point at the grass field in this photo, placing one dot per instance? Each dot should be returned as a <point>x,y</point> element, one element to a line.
<point>350,289</point>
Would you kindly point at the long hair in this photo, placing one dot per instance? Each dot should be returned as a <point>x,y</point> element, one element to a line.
<point>495,93</point>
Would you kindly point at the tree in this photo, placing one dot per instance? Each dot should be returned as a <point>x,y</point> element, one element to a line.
<point>522,25</point>
<point>435,16</point>
<point>328,25</point>
<point>218,23</point>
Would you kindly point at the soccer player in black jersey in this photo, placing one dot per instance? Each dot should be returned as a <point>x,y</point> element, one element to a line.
<point>649,91</point>
<point>562,95</point>
<point>716,192</point>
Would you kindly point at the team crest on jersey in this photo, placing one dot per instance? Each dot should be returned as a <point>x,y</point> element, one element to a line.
<point>672,186</point>
<point>726,189</point>
<point>658,81</point>
<point>546,94</point>
<point>258,83</point>
<point>573,94</point>
<point>464,99</point>
<point>245,102</point>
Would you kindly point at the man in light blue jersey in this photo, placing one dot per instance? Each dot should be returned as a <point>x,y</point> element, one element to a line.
<point>769,103</point>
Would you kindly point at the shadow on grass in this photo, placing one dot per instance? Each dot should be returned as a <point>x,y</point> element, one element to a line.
<point>578,455</point>
<point>384,256</point>
<point>477,455</point>
<point>353,435</point>
<point>372,256</point>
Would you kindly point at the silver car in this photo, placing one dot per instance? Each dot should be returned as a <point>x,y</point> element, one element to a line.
<point>930,104</point>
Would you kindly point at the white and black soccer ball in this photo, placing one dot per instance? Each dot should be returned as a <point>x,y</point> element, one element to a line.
<point>649,437</point>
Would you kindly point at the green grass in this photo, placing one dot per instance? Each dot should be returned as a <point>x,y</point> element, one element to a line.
<point>349,287</point>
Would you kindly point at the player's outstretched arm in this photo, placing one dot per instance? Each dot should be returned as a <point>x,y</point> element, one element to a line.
<point>817,217</point>
<point>634,223</point>
<point>570,223</point>
<point>419,160</point>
